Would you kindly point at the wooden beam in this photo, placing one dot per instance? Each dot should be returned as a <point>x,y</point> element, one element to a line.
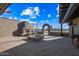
<point>70,10</point>
<point>4,6</point>
<point>61,29</point>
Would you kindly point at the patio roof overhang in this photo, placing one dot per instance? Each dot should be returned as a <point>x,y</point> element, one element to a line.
<point>68,11</point>
<point>3,7</point>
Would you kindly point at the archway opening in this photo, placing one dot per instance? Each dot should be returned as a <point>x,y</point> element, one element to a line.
<point>46,29</point>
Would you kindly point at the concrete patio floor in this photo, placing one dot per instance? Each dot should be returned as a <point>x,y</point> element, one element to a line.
<point>49,46</point>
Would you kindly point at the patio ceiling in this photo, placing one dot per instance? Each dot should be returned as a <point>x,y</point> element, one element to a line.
<point>68,12</point>
<point>62,10</point>
<point>3,7</point>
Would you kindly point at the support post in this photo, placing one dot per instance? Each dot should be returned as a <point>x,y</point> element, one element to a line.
<point>61,29</point>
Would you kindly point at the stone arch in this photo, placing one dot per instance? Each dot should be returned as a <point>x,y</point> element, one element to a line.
<point>49,28</point>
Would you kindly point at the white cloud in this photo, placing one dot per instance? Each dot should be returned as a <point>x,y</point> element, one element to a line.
<point>15,18</point>
<point>33,22</point>
<point>57,15</point>
<point>36,9</point>
<point>57,11</point>
<point>28,21</point>
<point>49,15</point>
<point>32,16</point>
<point>27,11</point>
<point>10,17</point>
<point>31,11</point>
<point>39,27</point>
<point>65,26</point>
<point>1,16</point>
<point>57,8</point>
<point>42,21</point>
<point>22,19</point>
<point>7,9</point>
<point>46,21</point>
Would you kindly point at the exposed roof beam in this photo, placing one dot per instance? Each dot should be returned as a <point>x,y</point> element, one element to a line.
<point>4,6</point>
<point>70,10</point>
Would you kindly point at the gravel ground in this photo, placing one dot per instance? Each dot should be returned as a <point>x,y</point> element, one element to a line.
<point>49,46</point>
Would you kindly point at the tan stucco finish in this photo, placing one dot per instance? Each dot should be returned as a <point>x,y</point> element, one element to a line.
<point>76,21</point>
<point>7,27</point>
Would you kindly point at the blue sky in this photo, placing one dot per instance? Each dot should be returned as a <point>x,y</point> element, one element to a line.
<point>35,13</point>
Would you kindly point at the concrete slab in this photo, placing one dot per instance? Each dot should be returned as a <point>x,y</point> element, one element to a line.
<point>49,46</point>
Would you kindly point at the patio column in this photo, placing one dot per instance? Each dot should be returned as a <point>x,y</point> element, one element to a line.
<point>71,30</point>
<point>61,29</point>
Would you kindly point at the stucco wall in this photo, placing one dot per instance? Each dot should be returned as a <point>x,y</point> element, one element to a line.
<point>7,27</point>
<point>76,26</point>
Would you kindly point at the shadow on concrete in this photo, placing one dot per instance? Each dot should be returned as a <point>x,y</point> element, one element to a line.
<point>54,47</point>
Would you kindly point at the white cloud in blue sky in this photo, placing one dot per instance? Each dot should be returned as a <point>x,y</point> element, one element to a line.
<point>31,11</point>
<point>57,8</point>
<point>42,21</point>
<point>37,11</point>
<point>46,21</point>
<point>33,22</point>
<point>15,18</point>
<point>1,16</point>
<point>10,17</point>
<point>65,25</point>
<point>27,11</point>
<point>33,16</point>
<point>57,11</point>
<point>49,15</point>
<point>28,21</point>
<point>57,15</point>
<point>22,20</point>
